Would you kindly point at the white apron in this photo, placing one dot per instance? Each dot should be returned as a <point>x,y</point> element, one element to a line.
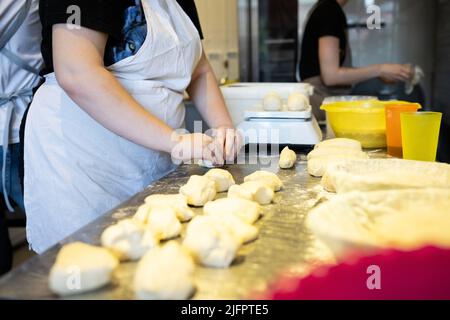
<point>75,169</point>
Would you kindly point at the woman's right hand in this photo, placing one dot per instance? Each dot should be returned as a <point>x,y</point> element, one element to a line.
<point>392,73</point>
<point>195,146</point>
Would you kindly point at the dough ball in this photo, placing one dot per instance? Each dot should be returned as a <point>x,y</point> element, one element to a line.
<point>332,151</point>
<point>177,202</point>
<point>238,191</point>
<point>243,231</point>
<point>80,268</point>
<point>165,273</point>
<point>272,102</point>
<point>142,213</point>
<point>223,179</point>
<point>248,211</point>
<point>210,243</point>
<point>297,102</point>
<point>253,190</point>
<point>128,239</point>
<point>340,143</point>
<point>269,178</point>
<point>163,222</point>
<point>287,158</point>
<point>317,167</point>
<point>199,190</point>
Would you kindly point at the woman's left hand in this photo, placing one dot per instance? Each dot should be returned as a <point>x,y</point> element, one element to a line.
<point>227,144</point>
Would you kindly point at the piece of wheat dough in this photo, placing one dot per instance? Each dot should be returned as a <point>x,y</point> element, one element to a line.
<point>297,102</point>
<point>272,102</point>
<point>80,268</point>
<point>129,239</point>
<point>246,210</point>
<point>381,174</point>
<point>210,243</point>
<point>165,273</point>
<point>245,232</point>
<point>340,143</point>
<point>222,178</point>
<point>318,166</point>
<point>178,202</point>
<point>199,190</point>
<point>269,178</point>
<point>287,158</point>
<point>163,222</point>
<point>256,191</point>
<point>402,219</point>
<point>332,151</point>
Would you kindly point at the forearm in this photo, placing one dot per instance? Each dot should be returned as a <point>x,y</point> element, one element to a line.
<point>207,97</point>
<point>100,94</point>
<point>350,76</point>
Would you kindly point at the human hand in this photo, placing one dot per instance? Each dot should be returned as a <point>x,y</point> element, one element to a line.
<point>227,144</point>
<point>194,146</point>
<point>391,73</point>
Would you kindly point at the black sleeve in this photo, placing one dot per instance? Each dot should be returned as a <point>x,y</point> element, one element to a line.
<point>99,15</point>
<point>191,10</point>
<point>329,21</point>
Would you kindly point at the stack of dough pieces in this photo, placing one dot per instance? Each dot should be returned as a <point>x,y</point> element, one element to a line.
<point>403,219</point>
<point>333,151</point>
<point>80,268</point>
<point>382,174</point>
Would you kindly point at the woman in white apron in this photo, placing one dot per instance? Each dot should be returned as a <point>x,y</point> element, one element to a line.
<point>95,136</point>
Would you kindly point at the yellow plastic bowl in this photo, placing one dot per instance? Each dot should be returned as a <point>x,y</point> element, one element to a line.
<point>364,121</point>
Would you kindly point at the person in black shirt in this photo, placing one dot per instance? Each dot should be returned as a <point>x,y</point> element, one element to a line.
<point>105,124</point>
<point>326,56</point>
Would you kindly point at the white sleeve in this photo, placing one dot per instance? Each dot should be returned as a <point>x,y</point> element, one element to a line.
<point>9,10</point>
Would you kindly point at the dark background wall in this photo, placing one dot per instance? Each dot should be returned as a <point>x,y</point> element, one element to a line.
<point>441,83</point>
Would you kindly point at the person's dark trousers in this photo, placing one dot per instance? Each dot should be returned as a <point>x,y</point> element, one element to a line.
<point>6,252</point>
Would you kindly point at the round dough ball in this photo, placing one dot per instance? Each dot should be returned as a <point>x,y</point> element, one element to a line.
<point>272,102</point>
<point>210,243</point>
<point>177,202</point>
<point>163,222</point>
<point>268,178</point>
<point>237,191</point>
<point>246,210</point>
<point>223,179</point>
<point>199,190</point>
<point>80,268</point>
<point>165,273</point>
<point>297,102</point>
<point>317,167</point>
<point>128,239</point>
<point>287,158</point>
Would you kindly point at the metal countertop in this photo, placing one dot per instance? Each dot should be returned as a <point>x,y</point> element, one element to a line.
<point>284,245</point>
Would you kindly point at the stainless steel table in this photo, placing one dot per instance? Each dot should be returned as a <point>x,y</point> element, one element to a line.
<point>284,245</point>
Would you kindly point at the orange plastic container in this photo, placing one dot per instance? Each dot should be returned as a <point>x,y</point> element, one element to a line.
<point>393,126</point>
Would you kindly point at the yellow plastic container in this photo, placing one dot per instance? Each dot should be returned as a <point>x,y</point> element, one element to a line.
<point>364,121</point>
<point>420,135</point>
